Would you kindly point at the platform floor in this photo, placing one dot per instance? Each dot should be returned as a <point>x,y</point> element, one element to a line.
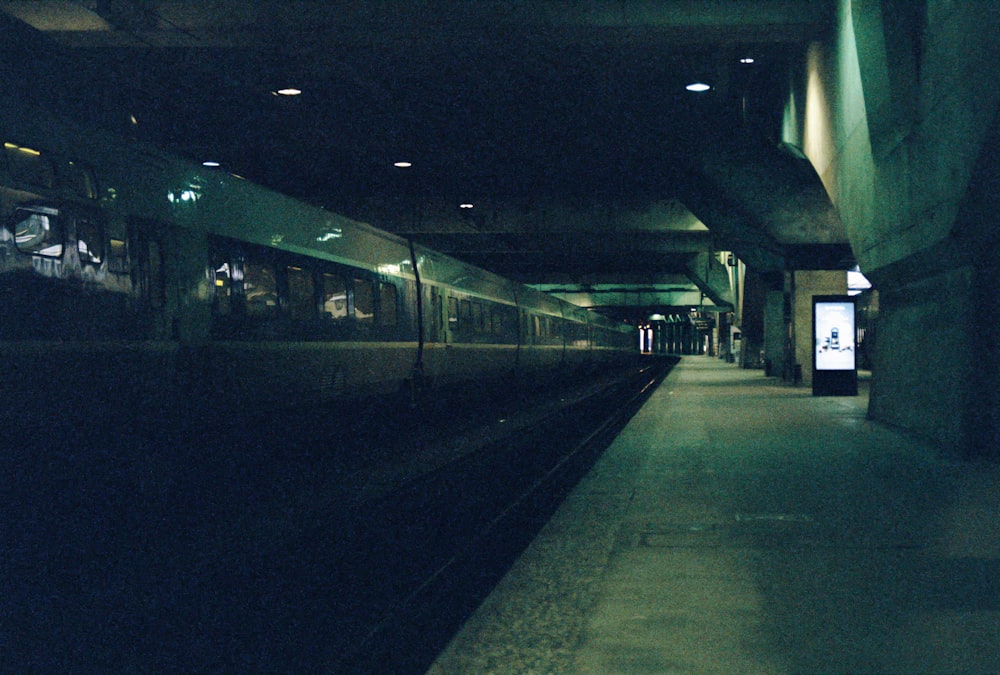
<point>738,525</point>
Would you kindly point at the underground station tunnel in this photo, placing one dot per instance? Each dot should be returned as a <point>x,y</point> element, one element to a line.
<point>496,337</point>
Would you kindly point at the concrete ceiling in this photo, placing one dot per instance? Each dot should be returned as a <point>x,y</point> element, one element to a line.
<point>565,124</point>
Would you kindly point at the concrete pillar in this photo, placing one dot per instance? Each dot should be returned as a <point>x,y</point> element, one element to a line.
<point>805,284</point>
<point>752,306</point>
<point>775,333</point>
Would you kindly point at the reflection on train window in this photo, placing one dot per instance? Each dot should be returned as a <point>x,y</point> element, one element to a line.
<point>452,313</point>
<point>156,283</point>
<point>477,316</point>
<point>364,300</point>
<point>117,256</point>
<point>301,295</point>
<point>387,304</point>
<point>508,321</point>
<point>38,232</point>
<point>260,289</point>
<point>29,166</point>
<point>334,296</point>
<point>89,241</point>
<point>223,289</point>
<point>436,318</point>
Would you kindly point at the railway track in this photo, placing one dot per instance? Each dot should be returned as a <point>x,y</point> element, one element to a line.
<point>277,545</point>
<point>494,501</point>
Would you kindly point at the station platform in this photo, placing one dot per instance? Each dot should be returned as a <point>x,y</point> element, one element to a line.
<point>740,525</point>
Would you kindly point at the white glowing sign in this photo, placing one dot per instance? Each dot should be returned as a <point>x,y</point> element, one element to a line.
<point>834,333</point>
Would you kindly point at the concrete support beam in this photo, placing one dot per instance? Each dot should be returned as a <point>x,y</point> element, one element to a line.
<point>625,297</point>
<point>712,278</point>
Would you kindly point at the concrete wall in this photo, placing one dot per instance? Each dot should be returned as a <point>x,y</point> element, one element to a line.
<point>924,357</point>
<point>803,286</point>
<point>896,113</point>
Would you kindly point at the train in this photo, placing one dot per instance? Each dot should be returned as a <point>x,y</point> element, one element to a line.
<point>131,278</point>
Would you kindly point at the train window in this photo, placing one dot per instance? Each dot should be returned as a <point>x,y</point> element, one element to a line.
<point>504,321</point>
<point>29,166</point>
<point>156,287</point>
<point>260,289</point>
<point>387,304</point>
<point>117,256</point>
<point>334,296</point>
<point>223,287</point>
<point>452,313</point>
<point>301,294</point>
<point>89,241</point>
<point>477,316</point>
<point>38,231</point>
<point>364,300</point>
<point>435,316</point>
<point>465,315</point>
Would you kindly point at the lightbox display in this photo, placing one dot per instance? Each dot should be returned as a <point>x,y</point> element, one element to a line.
<point>834,352</point>
<point>834,331</point>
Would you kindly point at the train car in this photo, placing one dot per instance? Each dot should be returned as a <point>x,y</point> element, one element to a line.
<point>133,279</point>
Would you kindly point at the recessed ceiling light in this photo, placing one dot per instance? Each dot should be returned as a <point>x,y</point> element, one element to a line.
<point>747,59</point>
<point>403,165</point>
<point>287,91</point>
<point>466,205</point>
<point>210,163</point>
<point>697,86</point>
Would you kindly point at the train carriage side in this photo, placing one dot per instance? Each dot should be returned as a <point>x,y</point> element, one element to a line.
<point>610,340</point>
<point>576,322</point>
<point>172,281</point>
<point>130,275</point>
<point>82,296</point>
<point>317,305</point>
<point>543,334</point>
<point>470,331</point>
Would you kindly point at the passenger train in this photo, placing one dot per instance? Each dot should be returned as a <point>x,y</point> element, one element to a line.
<point>133,279</point>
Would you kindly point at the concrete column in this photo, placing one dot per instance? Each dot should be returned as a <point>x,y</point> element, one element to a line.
<point>806,284</point>
<point>753,305</point>
<point>775,333</point>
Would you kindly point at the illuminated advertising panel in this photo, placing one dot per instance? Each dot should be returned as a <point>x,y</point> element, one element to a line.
<point>834,351</point>
<point>834,331</point>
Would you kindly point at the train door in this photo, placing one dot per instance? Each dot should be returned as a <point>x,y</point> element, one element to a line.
<point>149,282</point>
<point>434,316</point>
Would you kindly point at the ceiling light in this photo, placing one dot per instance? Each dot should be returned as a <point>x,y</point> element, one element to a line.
<point>697,86</point>
<point>210,163</point>
<point>466,205</point>
<point>747,59</point>
<point>403,165</point>
<point>287,91</point>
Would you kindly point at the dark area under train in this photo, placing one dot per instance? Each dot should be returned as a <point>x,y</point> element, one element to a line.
<point>273,543</point>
